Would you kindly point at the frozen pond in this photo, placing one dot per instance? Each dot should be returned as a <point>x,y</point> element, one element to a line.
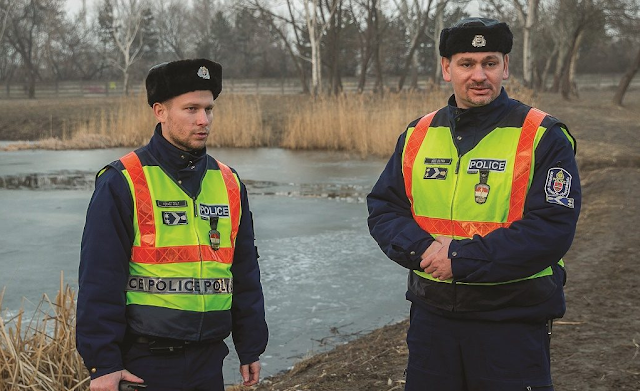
<point>325,279</point>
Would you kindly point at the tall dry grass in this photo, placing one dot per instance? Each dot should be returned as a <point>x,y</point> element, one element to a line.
<point>366,124</point>
<point>40,354</point>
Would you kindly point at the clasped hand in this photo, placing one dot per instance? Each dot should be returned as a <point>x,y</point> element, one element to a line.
<point>436,261</point>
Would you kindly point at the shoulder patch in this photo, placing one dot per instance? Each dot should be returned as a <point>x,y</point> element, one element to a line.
<point>558,186</point>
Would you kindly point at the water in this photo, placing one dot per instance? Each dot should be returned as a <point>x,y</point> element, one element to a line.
<point>325,280</point>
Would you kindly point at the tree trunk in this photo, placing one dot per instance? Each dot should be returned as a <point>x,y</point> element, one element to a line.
<point>439,25</point>
<point>528,60</point>
<point>626,80</point>
<point>567,87</point>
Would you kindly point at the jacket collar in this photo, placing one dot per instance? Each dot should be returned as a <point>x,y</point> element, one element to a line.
<point>479,118</point>
<point>170,156</point>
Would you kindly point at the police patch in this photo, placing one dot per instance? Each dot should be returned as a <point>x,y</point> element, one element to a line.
<point>174,218</point>
<point>436,173</point>
<point>558,186</point>
<point>208,211</point>
<point>171,204</point>
<point>437,160</point>
<point>496,165</point>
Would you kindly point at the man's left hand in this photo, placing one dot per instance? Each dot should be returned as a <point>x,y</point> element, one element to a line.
<point>438,264</point>
<point>250,373</point>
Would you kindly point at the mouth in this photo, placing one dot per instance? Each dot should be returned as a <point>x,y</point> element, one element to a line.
<point>480,90</point>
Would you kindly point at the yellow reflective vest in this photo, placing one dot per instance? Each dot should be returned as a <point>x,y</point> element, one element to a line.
<point>473,194</point>
<point>179,285</point>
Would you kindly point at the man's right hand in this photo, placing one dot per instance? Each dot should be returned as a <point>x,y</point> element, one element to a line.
<point>110,381</point>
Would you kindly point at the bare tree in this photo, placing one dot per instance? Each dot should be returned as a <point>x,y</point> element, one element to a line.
<point>624,19</point>
<point>5,11</point>
<point>415,15</point>
<point>173,21</point>
<point>121,21</point>
<point>316,30</point>
<point>366,14</point>
<point>290,32</point>
<point>27,31</point>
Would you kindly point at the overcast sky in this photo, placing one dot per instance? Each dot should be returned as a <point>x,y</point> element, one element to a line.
<point>74,6</point>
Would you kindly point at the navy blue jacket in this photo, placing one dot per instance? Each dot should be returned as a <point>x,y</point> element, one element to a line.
<point>528,246</point>
<point>104,264</point>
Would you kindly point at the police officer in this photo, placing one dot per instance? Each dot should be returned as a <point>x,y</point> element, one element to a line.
<point>480,202</point>
<point>168,266</point>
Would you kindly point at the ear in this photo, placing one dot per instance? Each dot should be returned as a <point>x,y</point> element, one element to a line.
<point>505,71</point>
<point>160,111</point>
<point>446,70</point>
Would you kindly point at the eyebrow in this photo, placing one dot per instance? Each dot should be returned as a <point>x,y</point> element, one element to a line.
<point>487,58</point>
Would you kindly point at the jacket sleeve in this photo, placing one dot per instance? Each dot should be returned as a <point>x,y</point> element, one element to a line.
<point>540,239</point>
<point>390,219</point>
<point>250,333</point>
<point>104,258</point>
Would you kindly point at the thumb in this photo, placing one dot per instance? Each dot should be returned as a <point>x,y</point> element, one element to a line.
<point>126,375</point>
<point>244,372</point>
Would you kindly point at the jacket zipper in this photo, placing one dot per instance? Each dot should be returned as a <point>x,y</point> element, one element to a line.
<point>195,215</point>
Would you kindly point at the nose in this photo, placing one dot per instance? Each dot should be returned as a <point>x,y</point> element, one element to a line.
<point>478,74</point>
<point>203,118</point>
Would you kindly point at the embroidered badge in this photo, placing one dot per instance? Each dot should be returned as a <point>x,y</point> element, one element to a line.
<point>436,173</point>
<point>479,41</point>
<point>174,218</point>
<point>482,188</point>
<point>203,72</point>
<point>558,186</point>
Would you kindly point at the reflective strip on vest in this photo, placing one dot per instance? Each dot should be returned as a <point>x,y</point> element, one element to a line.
<point>194,286</point>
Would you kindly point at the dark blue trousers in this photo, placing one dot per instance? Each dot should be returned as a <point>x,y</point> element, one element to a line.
<point>470,355</point>
<point>195,367</point>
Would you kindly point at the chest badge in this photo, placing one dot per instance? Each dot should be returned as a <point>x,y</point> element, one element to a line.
<point>214,234</point>
<point>482,188</point>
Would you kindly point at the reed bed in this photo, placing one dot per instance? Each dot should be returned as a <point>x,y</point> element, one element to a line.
<point>363,124</point>
<point>40,354</point>
<point>366,124</point>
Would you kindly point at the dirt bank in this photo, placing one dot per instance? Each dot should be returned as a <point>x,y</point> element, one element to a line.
<point>596,346</point>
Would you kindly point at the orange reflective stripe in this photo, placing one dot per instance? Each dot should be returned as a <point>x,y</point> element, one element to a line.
<point>522,164</point>
<point>411,151</point>
<point>177,254</point>
<point>465,229</point>
<point>233,194</point>
<point>146,222</point>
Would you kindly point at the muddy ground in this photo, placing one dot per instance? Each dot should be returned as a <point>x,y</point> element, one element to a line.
<point>595,347</point>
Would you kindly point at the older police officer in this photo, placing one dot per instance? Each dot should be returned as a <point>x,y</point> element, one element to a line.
<point>480,202</point>
<point>168,265</point>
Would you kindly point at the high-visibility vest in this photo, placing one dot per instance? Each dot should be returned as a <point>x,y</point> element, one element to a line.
<point>178,281</point>
<point>443,197</point>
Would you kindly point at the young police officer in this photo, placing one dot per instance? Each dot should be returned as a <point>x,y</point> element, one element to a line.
<point>168,265</point>
<point>480,202</point>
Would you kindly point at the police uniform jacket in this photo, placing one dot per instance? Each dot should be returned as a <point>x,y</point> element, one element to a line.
<point>535,242</point>
<point>106,251</point>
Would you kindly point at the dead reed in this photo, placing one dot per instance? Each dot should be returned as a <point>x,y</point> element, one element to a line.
<point>366,124</point>
<point>40,354</point>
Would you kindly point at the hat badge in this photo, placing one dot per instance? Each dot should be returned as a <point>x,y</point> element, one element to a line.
<point>203,72</point>
<point>479,41</point>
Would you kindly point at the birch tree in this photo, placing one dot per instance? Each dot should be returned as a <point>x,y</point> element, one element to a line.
<point>121,25</point>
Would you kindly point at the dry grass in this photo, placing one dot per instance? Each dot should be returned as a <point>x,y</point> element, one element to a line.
<point>365,124</point>
<point>40,354</point>
<point>130,123</point>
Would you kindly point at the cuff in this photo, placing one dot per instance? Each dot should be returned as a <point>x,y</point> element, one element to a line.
<point>96,372</point>
<point>246,360</point>
<point>415,251</point>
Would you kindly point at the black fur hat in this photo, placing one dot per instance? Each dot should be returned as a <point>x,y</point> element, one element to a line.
<point>170,79</point>
<point>476,35</point>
